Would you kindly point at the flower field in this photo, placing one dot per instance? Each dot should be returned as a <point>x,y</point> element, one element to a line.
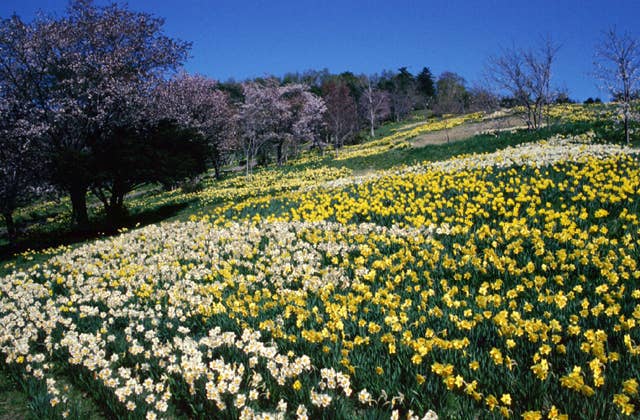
<point>495,285</point>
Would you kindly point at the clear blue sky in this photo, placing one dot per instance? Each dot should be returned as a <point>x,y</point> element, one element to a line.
<point>241,39</point>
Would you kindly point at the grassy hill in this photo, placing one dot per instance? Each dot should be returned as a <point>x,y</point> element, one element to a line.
<point>493,276</point>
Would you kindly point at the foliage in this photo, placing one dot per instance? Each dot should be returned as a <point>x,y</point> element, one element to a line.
<point>160,153</point>
<point>425,85</point>
<point>451,94</point>
<point>197,103</point>
<point>403,89</point>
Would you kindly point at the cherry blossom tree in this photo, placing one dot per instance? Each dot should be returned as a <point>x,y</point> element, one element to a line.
<point>261,117</point>
<point>89,73</point>
<point>304,120</point>
<point>20,160</point>
<point>309,118</point>
<point>277,115</point>
<point>196,102</point>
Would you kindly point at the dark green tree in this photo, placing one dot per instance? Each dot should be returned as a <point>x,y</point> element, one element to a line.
<point>425,86</point>
<point>162,152</point>
<point>403,93</point>
<point>451,94</point>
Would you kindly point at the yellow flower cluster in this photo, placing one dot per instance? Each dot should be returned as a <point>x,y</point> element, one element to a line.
<point>580,113</point>
<point>506,280</point>
<point>398,140</point>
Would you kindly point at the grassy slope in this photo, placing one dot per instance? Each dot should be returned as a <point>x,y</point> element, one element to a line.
<point>14,403</point>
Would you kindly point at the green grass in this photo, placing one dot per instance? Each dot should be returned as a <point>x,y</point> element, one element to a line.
<point>28,399</point>
<point>13,402</point>
<point>391,127</point>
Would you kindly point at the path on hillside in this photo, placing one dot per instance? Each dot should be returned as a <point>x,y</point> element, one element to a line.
<point>464,131</point>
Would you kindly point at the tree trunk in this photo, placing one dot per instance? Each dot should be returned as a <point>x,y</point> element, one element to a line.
<point>115,210</point>
<point>217,162</point>
<point>279,152</point>
<point>116,214</point>
<point>248,158</point>
<point>78,195</point>
<point>626,127</point>
<point>11,227</point>
<point>372,119</point>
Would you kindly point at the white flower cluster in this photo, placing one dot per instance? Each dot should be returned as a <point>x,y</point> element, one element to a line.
<point>128,311</point>
<point>538,154</point>
<point>542,153</point>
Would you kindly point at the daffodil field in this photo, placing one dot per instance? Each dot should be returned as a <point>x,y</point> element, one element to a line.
<point>490,285</point>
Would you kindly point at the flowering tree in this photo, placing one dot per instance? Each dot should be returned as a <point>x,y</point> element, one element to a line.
<point>618,68</point>
<point>309,121</point>
<point>261,117</point>
<point>303,122</point>
<point>341,117</point>
<point>278,115</point>
<point>89,73</point>
<point>195,102</point>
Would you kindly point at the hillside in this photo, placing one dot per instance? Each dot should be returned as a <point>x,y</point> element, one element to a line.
<point>493,276</point>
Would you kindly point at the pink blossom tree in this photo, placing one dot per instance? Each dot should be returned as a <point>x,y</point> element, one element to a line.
<point>304,121</point>
<point>195,102</point>
<point>90,73</point>
<point>309,113</point>
<point>277,115</point>
<point>20,157</point>
<point>261,117</point>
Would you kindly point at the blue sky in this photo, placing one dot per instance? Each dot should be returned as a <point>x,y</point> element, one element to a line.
<point>242,39</point>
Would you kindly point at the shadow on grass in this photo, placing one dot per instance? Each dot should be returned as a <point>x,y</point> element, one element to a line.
<point>98,229</point>
<point>13,401</point>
